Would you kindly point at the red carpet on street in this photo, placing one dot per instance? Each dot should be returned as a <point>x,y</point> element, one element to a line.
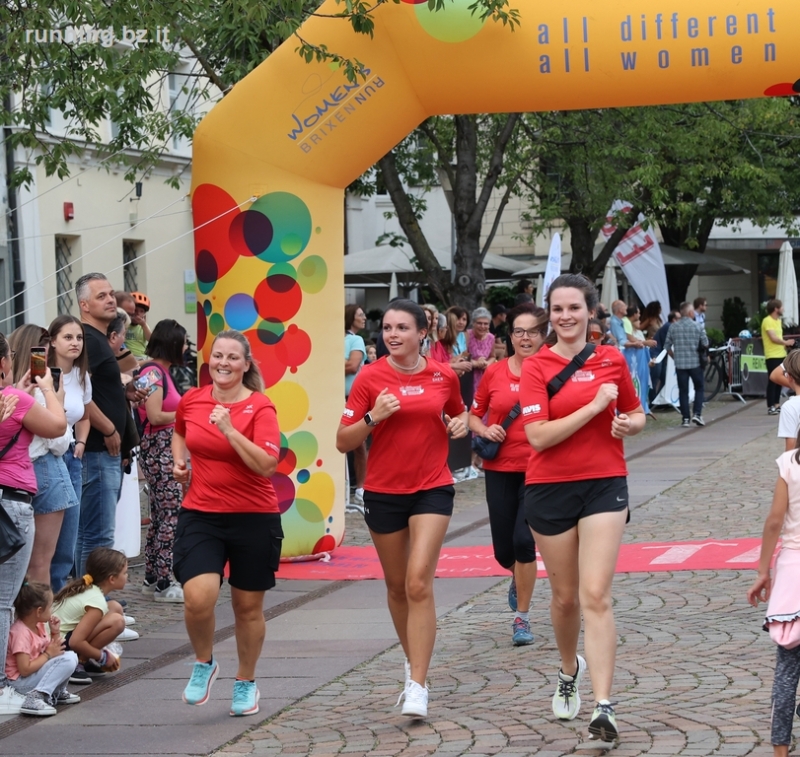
<point>361,563</point>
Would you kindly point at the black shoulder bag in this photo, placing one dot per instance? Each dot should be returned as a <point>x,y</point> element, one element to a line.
<point>11,540</point>
<point>488,450</point>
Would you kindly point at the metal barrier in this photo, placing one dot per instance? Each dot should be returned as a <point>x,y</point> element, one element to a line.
<point>734,379</point>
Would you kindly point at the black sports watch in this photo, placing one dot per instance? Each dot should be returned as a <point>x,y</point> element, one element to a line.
<point>369,420</point>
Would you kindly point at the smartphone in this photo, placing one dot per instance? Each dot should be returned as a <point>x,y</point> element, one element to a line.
<point>147,382</point>
<point>56,374</point>
<point>38,363</point>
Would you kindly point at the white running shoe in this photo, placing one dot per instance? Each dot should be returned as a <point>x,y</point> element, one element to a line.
<point>10,701</point>
<point>128,634</point>
<point>416,704</point>
<point>567,699</point>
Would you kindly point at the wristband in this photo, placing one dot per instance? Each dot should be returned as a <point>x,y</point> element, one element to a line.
<point>48,654</point>
<point>80,442</point>
<point>108,436</point>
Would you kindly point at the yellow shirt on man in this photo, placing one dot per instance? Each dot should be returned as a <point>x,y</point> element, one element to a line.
<point>772,350</point>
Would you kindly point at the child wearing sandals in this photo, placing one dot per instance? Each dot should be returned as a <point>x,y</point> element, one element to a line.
<point>36,663</point>
<point>89,622</point>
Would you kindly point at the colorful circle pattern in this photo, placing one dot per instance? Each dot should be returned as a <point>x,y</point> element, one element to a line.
<point>275,229</point>
<point>452,23</point>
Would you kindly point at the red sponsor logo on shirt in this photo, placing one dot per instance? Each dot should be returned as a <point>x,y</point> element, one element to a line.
<point>582,376</point>
<point>348,413</point>
<point>514,387</point>
<point>437,376</point>
<point>531,409</point>
<point>411,391</point>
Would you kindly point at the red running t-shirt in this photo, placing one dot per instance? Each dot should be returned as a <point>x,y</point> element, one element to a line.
<point>591,452</point>
<point>409,449</point>
<point>498,392</point>
<point>221,482</point>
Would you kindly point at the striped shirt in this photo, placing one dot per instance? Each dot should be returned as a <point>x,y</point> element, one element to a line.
<point>683,339</point>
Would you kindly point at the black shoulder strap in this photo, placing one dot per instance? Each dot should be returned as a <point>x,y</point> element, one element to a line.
<point>513,413</point>
<point>575,364</point>
<point>9,445</point>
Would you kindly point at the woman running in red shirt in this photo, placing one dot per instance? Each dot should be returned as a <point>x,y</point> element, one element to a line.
<point>497,394</point>
<point>576,500</point>
<point>410,405</point>
<point>229,512</point>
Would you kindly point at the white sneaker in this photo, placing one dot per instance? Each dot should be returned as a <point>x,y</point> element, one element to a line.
<point>407,669</point>
<point>416,704</point>
<point>128,635</point>
<point>567,699</point>
<point>173,593</point>
<point>10,701</point>
<point>130,620</point>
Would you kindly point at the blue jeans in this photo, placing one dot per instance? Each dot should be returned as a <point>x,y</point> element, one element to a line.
<point>102,481</point>
<point>12,572</point>
<point>696,375</point>
<point>61,566</point>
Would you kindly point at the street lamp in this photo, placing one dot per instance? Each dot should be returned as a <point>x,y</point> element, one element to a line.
<point>449,195</point>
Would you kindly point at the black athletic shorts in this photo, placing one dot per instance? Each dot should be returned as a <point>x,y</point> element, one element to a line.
<point>552,509</point>
<point>250,542</point>
<point>388,513</point>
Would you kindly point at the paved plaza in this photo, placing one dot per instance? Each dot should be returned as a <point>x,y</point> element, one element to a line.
<point>694,669</point>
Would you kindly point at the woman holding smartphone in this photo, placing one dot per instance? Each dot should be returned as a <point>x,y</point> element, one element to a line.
<point>18,482</point>
<point>68,355</point>
<point>55,493</point>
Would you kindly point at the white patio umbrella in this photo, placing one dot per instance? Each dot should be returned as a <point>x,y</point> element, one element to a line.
<point>786,289</point>
<point>609,284</point>
<point>393,286</point>
<point>540,290</point>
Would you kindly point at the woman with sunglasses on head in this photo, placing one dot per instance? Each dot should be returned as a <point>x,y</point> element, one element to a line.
<point>576,498</point>
<point>21,418</point>
<point>55,493</point>
<point>410,405</point>
<point>497,394</point>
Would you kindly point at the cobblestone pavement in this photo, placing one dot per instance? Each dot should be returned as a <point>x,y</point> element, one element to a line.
<point>694,669</point>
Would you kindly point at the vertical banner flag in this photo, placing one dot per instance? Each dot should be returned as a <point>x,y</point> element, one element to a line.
<point>553,270</point>
<point>639,257</point>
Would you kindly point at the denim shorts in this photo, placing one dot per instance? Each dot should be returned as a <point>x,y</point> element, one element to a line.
<point>55,485</point>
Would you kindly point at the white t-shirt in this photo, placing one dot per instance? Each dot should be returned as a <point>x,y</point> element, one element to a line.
<point>76,397</point>
<point>789,422</point>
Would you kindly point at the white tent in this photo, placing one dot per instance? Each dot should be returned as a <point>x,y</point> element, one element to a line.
<point>609,285</point>
<point>786,289</point>
<point>707,265</point>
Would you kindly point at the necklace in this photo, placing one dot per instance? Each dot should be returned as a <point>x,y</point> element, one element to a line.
<point>229,403</point>
<point>399,367</point>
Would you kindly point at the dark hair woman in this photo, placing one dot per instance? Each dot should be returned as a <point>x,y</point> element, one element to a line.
<point>229,514</point>
<point>68,354</point>
<point>355,355</point>
<point>576,498</point>
<point>401,401</point>
<point>497,394</point>
<point>157,419</point>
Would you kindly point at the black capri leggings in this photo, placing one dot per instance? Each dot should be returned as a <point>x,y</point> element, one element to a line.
<point>512,539</point>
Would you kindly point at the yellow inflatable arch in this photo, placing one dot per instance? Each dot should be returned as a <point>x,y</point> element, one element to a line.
<point>271,161</point>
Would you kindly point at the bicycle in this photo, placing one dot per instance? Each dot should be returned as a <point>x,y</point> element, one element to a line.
<point>715,373</point>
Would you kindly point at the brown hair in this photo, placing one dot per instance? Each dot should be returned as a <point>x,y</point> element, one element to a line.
<point>101,564</point>
<point>350,315</point>
<point>20,341</point>
<point>32,594</point>
<point>82,361</point>
<point>252,377</point>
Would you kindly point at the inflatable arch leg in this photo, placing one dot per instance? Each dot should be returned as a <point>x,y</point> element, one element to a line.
<point>293,135</point>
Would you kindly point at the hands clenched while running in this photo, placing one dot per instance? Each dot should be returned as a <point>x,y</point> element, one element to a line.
<point>606,394</point>
<point>620,426</point>
<point>386,404</point>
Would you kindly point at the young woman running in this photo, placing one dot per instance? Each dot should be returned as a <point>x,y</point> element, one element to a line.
<point>410,405</point>
<point>576,500</point>
<point>497,394</point>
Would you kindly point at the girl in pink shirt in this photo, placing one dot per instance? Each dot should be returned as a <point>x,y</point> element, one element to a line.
<point>36,663</point>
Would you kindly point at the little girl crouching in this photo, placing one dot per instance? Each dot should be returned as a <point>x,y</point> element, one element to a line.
<point>36,663</point>
<point>88,621</point>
